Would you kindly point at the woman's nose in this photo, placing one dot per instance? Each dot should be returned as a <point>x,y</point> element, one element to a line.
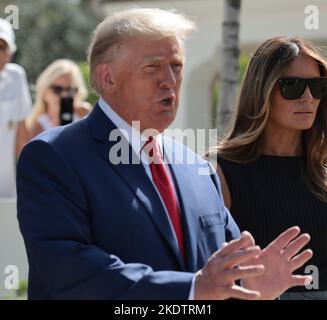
<point>307,95</point>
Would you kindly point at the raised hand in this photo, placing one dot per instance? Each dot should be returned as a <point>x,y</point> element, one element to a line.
<point>217,278</point>
<point>280,258</point>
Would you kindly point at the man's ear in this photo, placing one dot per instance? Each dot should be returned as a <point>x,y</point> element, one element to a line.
<point>105,77</point>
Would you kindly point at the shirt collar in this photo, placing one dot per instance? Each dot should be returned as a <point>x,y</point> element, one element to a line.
<point>133,136</point>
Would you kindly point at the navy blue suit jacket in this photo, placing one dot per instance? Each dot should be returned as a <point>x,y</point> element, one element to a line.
<point>98,230</point>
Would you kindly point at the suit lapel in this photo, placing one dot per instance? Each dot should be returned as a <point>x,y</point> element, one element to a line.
<point>176,156</point>
<point>134,176</point>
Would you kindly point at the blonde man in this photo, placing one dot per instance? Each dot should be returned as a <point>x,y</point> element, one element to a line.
<point>99,228</point>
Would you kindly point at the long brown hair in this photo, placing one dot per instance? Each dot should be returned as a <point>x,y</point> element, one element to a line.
<point>269,62</point>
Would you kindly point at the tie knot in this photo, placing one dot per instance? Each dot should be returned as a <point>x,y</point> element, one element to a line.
<point>152,150</point>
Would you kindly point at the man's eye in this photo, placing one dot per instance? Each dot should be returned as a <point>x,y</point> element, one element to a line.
<point>177,67</point>
<point>150,67</point>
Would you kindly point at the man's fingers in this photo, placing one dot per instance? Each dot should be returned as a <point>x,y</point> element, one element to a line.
<point>295,246</point>
<point>301,280</point>
<point>243,293</point>
<point>224,244</point>
<point>283,239</point>
<point>244,241</point>
<point>244,272</point>
<point>299,260</point>
<point>240,256</point>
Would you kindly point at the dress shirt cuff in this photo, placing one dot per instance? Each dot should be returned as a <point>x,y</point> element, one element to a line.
<point>191,295</point>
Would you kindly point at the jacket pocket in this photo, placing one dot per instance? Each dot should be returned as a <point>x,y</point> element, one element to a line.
<point>213,230</point>
<point>208,220</point>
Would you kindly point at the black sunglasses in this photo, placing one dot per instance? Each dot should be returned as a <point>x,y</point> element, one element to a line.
<point>59,89</point>
<point>293,88</point>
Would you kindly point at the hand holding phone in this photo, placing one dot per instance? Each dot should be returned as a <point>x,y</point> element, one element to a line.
<point>66,110</point>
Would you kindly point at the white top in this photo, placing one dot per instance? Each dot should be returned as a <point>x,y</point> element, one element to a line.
<point>15,105</point>
<point>45,122</point>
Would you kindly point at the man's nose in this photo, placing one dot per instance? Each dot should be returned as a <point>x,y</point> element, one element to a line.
<point>168,78</point>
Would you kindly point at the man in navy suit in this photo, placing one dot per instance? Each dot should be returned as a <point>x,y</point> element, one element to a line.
<point>149,226</point>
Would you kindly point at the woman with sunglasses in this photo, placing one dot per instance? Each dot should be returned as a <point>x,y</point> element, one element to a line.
<point>273,161</point>
<point>59,86</point>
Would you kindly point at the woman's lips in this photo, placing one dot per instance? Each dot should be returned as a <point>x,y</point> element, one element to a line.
<point>304,112</point>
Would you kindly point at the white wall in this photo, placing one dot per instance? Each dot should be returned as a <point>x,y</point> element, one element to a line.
<point>12,250</point>
<point>260,20</point>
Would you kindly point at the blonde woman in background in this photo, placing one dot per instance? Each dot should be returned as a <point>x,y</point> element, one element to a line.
<point>273,162</point>
<point>62,78</point>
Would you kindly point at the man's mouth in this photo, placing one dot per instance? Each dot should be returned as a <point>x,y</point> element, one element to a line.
<point>168,102</point>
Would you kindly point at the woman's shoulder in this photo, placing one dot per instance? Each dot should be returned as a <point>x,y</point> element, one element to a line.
<point>219,162</point>
<point>34,129</point>
<point>225,163</point>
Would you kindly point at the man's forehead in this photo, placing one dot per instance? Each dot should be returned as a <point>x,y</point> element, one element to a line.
<point>158,58</point>
<point>158,53</point>
<point>157,48</point>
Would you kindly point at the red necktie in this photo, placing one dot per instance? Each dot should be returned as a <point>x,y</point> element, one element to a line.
<point>164,185</point>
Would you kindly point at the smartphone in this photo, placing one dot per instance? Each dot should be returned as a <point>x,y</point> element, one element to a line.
<point>66,110</point>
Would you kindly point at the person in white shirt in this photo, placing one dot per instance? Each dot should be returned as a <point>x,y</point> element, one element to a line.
<point>15,105</point>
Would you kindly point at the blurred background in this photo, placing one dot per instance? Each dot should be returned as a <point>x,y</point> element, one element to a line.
<point>55,29</point>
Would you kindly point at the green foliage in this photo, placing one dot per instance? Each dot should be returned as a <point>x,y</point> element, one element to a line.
<point>243,62</point>
<point>18,294</point>
<point>92,98</point>
<point>50,30</point>
<point>21,292</point>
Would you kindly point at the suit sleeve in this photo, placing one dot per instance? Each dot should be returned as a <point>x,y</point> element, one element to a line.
<point>55,222</point>
<point>231,229</point>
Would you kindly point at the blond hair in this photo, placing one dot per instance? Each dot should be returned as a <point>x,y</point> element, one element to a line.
<point>53,71</point>
<point>241,144</point>
<point>130,23</point>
